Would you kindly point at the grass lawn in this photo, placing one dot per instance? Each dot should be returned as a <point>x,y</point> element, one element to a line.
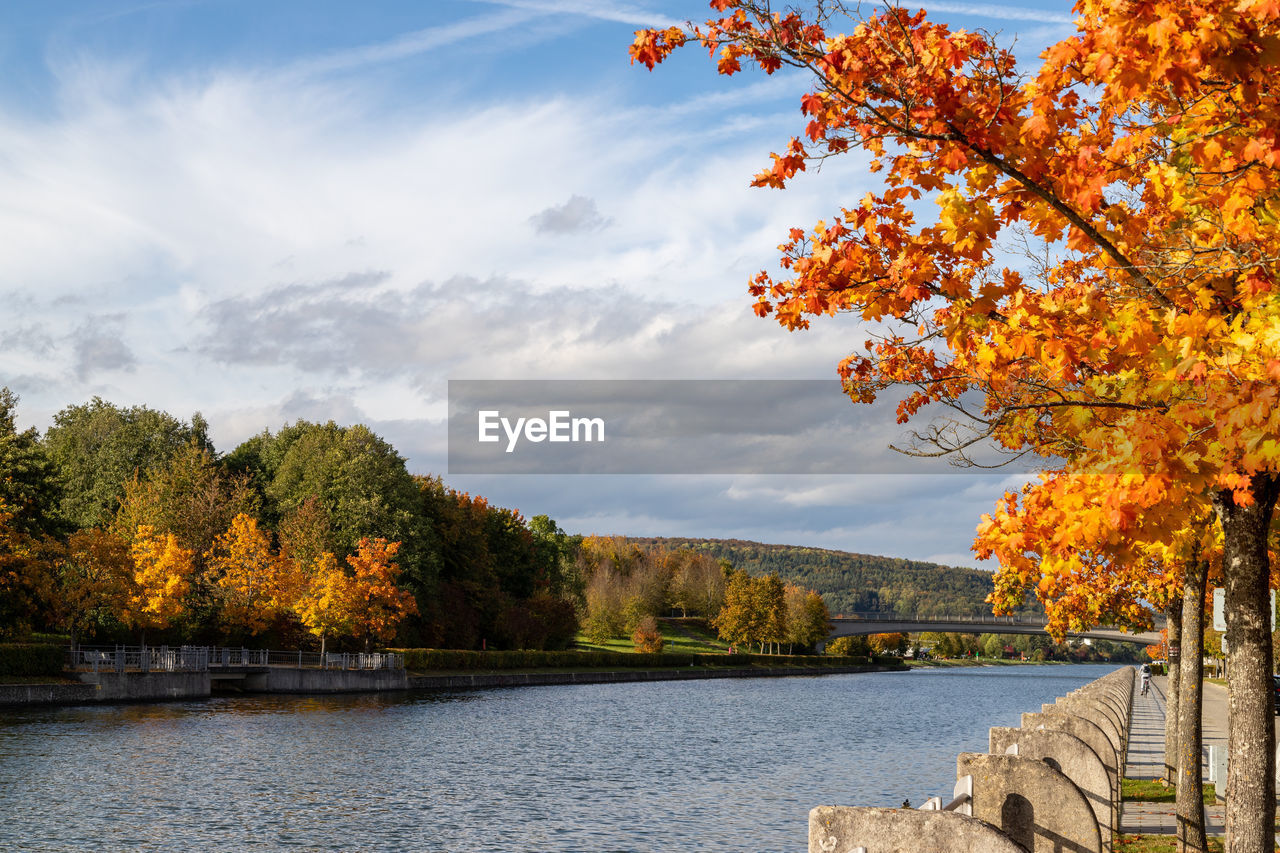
<point>677,637</point>
<point>1151,791</point>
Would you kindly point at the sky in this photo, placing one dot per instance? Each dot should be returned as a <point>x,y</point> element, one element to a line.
<point>270,211</point>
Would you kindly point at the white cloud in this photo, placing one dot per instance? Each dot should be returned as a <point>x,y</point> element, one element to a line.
<point>268,246</point>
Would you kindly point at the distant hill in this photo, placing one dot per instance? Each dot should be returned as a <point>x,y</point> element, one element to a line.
<point>853,583</point>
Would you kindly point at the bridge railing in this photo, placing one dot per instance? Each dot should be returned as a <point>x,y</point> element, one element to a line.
<point>882,616</point>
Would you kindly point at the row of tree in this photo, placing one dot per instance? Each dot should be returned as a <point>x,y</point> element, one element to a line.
<point>127,520</point>
<point>856,583</point>
<point>767,613</point>
<point>626,583</point>
<point>122,521</point>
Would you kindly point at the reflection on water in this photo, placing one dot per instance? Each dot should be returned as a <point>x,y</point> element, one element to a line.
<point>714,765</point>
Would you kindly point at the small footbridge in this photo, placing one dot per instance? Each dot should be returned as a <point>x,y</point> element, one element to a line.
<point>887,623</point>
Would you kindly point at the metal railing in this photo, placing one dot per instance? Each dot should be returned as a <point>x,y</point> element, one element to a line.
<point>1036,620</point>
<point>206,658</point>
<point>961,803</point>
<point>885,616</point>
<point>337,660</point>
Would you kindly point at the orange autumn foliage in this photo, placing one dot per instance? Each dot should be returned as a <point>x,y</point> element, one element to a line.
<point>161,578</point>
<point>1138,356</point>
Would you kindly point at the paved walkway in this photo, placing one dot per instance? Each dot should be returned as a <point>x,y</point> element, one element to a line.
<point>1146,757</point>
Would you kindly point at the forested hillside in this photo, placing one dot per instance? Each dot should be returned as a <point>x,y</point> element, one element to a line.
<point>852,583</point>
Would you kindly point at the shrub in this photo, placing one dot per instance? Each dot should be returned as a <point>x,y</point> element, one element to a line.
<point>647,637</point>
<point>31,659</point>
<point>849,646</point>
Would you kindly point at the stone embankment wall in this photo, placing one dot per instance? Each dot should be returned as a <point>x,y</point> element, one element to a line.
<point>1051,785</point>
<point>531,679</point>
<point>162,686</point>
<point>284,680</point>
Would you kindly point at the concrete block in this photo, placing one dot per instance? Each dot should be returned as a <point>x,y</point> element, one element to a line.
<point>1033,804</point>
<point>1092,712</point>
<point>147,686</point>
<point>1072,757</point>
<point>1088,732</point>
<point>845,829</point>
<point>285,680</point>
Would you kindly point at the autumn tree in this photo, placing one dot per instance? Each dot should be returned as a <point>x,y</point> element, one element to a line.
<point>697,582</point>
<point>26,577</point>
<point>883,644</point>
<point>849,647</point>
<point>94,579</point>
<point>161,578</point>
<point>378,604</point>
<point>257,583</point>
<point>739,620</point>
<point>1140,158</point>
<point>806,617</point>
<point>646,638</point>
<point>192,496</point>
<point>327,603</point>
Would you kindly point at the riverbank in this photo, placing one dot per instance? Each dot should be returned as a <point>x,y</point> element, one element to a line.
<point>534,678</point>
<point>69,693</point>
<point>954,662</point>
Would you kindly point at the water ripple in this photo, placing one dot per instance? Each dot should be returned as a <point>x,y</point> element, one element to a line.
<point>726,765</point>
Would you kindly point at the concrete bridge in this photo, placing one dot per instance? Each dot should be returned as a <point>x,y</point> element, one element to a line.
<point>885,623</point>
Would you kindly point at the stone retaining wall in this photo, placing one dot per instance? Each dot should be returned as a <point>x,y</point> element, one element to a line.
<point>532,679</point>
<point>1048,787</point>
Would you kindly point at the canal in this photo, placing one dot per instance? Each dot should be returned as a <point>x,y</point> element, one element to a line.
<point>724,765</point>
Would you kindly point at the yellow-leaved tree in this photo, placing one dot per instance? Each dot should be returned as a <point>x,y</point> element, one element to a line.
<point>327,601</point>
<point>161,579</point>
<point>378,603</point>
<point>257,583</point>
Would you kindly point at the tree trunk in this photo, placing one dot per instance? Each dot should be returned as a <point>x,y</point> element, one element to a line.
<point>1190,804</point>
<point>1251,740</point>
<point>1173,694</point>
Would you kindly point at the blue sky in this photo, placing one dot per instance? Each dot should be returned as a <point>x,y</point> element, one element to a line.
<point>267,211</point>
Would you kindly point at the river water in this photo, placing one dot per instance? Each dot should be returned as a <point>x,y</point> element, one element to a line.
<point>719,765</point>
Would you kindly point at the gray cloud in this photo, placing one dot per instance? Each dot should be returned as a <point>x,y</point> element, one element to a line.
<point>576,215</point>
<point>99,346</point>
<point>347,325</point>
<point>33,338</point>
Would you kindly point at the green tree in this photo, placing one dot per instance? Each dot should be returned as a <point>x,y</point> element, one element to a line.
<point>360,481</point>
<point>98,448</point>
<point>27,485</point>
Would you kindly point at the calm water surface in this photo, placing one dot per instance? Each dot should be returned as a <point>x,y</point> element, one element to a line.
<point>723,765</point>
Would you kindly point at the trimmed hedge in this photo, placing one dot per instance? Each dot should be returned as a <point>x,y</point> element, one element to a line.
<point>31,659</point>
<point>465,660</point>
